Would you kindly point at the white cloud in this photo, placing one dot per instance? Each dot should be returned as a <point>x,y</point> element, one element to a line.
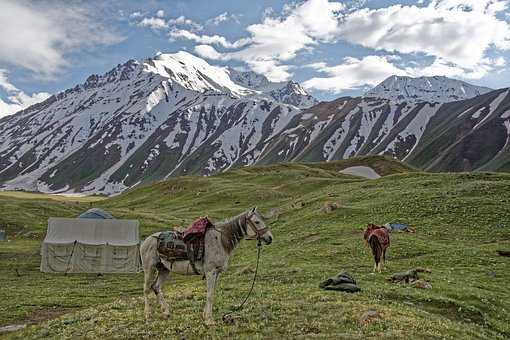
<point>207,39</point>
<point>279,39</point>
<point>16,99</point>
<point>135,15</point>
<point>454,31</point>
<point>457,34</point>
<point>153,23</point>
<point>223,17</point>
<point>352,73</point>
<point>206,51</point>
<point>160,13</point>
<point>38,36</point>
<point>448,69</point>
<point>183,21</point>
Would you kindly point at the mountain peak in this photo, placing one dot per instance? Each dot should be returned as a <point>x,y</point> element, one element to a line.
<point>193,73</point>
<point>288,92</point>
<point>438,89</point>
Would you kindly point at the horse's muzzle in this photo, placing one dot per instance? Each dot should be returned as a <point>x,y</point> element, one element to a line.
<point>268,239</point>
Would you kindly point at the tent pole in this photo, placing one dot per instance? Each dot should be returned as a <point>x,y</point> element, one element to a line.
<point>70,258</point>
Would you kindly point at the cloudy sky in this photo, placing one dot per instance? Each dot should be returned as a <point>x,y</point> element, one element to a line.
<point>332,47</point>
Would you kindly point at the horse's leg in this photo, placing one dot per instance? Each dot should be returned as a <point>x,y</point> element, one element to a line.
<point>383,258</point>
<point>211,277</point>
<point>163,275</point>
<point>149,277</point>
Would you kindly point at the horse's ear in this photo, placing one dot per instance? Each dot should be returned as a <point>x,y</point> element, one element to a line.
<point>253,209</point>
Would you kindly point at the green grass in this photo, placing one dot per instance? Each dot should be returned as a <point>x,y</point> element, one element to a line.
<point>461,220</point>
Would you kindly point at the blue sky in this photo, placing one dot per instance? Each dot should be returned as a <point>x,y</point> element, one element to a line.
<point>334,48</point>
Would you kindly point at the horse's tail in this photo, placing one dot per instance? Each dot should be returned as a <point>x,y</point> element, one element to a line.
<point>377,248</point>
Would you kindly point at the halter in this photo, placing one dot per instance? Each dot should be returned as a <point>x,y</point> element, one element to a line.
<point>258,232</point>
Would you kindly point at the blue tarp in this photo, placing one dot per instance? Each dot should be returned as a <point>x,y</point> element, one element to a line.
<point>96,213</point>
<point>397,227</point>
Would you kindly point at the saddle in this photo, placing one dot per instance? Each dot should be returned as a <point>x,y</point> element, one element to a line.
<point>188,245</point>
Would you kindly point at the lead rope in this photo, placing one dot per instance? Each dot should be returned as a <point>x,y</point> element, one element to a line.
<point>238,308</point>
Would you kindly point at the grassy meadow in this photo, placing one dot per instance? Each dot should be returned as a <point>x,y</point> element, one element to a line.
<point>460,220</point>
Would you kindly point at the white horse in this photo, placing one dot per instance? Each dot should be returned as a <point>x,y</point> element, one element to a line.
<point>220,242</point>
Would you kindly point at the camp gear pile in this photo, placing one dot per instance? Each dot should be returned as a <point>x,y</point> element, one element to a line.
<point>171,246</point>
<point>341,282</point>
<point>399,228</point>
<point>409,276</point>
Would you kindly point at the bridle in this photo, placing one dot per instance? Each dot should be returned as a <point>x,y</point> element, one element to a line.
<point>258,232</point>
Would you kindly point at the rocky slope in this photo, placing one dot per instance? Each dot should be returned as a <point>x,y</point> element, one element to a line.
<point>175,115</point>
<point>466,135</point>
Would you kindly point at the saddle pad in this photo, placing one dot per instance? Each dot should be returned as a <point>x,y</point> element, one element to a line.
<point>171,246</point>
<point>197,229</point>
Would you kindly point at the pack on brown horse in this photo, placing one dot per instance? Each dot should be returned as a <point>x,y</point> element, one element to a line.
<point>378,238</point>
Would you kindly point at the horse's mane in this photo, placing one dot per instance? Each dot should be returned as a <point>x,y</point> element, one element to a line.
<point>232,231</point>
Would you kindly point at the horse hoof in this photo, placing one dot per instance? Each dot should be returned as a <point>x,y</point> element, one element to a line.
<point>165,315</point>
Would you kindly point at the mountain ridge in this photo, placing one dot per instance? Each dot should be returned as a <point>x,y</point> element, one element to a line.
<point>438,89</point>
<point>175,114</point>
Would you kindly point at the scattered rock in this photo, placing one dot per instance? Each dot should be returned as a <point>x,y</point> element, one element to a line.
<point>69,321</point>
<point>422,284</point>
<point>491,274</point>
<point>11,328</point>
<point>312,238</point>
<point>298,205</point>
<point>329,207</point>
<point>229,319</point>
<point>295,270</point>
<point>245,270</point>
<point>44,332</point>
<point>368,317</point>
<point>272,213</point>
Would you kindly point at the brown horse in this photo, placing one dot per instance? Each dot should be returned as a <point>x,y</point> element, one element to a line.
<point>378,238</point>
<point>220,242</point>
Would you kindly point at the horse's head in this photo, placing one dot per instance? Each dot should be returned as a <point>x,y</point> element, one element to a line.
<point>368,230</point>
<point>257,228</point>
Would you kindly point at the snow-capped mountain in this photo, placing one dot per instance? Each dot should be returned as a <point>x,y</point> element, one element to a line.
<point>288,92</point>
<point>436,89</point>
<point>175,114</point>
<point>143,120</point>
<point>466,135</point>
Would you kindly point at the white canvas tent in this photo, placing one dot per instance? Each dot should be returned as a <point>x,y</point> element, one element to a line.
<point>75,245</point>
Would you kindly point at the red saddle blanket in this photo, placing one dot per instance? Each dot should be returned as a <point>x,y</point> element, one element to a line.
<point>197,229</point>
<point>381,233</point>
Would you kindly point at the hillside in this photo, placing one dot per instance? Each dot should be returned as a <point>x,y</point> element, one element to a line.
<point>461,219</point>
